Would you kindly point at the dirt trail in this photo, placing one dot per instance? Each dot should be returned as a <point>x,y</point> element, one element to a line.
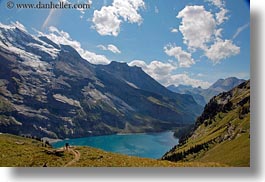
<point>76,154</point>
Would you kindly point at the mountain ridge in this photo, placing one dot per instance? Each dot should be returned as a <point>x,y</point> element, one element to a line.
<point>202,96</point>
<point>49,90</point>
<point>221,133</point>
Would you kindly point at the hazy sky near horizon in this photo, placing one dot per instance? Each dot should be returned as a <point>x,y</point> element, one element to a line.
<point>192,42</point>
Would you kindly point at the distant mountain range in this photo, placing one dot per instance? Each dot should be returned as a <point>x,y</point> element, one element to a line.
<point>221,134</point>
<point>49,90</point>
<point>202,96</point>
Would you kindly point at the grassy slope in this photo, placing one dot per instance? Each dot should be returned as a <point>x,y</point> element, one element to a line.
<point>23,152</point>
<point>237,152</point>
<point>233,152</point>
<point>223,139</point>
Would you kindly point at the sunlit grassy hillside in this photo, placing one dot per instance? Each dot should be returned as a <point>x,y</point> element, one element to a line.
<point>23,152</point>
<point>221,133</point>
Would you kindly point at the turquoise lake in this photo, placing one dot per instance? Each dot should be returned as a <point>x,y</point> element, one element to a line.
<point>148,145</point>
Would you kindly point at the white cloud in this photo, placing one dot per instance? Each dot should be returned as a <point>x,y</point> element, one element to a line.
<point>158,70</point>
<point>222,49</point>
<point>156,10</point>
<point>217,3</point>
<point>128,9</point>
<point>197,26</point>
<point>203,31</point>
<point>184,58</point>
<point>221,16</point>
<point>102,47</point>
<point>162,72</point>
<point>174,30</point>
<point>82,11</point>
<point>110,47</point>
<point>108,19</point>
<point>113,49</point>
<point>218,32</point>
<point>240,29</point>
<point>93,57</point>
<point>185,79</point>
<point>61,37</point>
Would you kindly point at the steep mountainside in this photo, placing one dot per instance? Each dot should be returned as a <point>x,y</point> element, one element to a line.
<point>49,90</point>
<point>202,96</point>
<point>186,89</point>
<point>222,133</point>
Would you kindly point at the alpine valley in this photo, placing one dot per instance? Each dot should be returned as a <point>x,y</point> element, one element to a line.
<point>49,90</point>
<point>125,83</point>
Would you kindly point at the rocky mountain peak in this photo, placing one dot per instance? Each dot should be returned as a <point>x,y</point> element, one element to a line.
<point>226,84</point>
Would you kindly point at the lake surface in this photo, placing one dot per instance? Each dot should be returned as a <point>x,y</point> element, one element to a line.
<point>149,145</point>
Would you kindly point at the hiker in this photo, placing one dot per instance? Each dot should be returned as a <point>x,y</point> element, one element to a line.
<point>67,146</point>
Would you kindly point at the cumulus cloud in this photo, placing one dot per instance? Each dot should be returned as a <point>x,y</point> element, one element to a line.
<point>106,22</point>
<point>61,37</point>
<point>108,19</point>
<point>201,30</point>
<point>221,16</point>
<point>110,47</point>
<point>128,9</point>
<point>163,73</point>
<point>184,58</point>
<point>218,33</point>
<point>156,69</point>
<point>217,3</point>
<point>197,26</point>
<point>222,49</point>
<point>185,79</point>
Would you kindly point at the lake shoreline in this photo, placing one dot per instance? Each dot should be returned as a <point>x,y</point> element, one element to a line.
<point>148,145</point>
<point>54,140</point>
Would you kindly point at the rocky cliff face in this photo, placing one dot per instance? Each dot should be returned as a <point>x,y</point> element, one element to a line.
<point>47,89</point>
<point>222,133</point>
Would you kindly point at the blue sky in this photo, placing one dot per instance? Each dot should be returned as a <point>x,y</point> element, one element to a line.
<point>193,42</point>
